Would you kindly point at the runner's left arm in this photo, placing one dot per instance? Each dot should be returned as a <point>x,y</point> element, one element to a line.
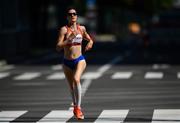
<point>87,37</point>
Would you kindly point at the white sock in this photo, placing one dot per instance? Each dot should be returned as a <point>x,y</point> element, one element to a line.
<point>77,90</point>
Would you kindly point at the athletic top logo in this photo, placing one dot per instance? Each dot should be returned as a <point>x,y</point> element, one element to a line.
<point>77,39</point>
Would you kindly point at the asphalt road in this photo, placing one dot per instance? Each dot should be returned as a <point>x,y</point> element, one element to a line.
<point>112,93</point>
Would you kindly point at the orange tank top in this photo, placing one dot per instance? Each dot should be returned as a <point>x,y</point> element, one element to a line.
<point>79,37</point>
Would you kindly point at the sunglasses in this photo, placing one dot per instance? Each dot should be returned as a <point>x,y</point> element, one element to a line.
<point>72,14</point>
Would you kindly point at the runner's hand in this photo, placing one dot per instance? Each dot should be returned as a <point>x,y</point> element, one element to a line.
<point>88,46</point>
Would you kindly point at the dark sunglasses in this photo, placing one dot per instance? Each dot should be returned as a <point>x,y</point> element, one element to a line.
<point>72,14</point>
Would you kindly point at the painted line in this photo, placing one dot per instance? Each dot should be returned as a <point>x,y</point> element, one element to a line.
<point>122,75</point>
<point>56,76</point>
<point>7,67</point>
<point>112,116</point>
<point>160,66</point>
<point>153,75</point>
<point>100,71</point>
<point>166,116</point>
<point>85,86</point>
<point>106,67</point>
<point>7,116</point>
<point>91,75</point>
<point>27,76</point>
<point>4,74</point>
<point>178,75</point>
<point>57,67</point>
<point>57,116</point>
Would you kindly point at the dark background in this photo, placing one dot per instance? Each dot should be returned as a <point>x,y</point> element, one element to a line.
<point>29,29</point>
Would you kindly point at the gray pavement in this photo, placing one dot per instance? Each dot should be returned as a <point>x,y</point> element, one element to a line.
<point>113,93</point>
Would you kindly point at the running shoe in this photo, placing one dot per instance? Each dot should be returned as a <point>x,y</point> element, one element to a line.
<point>78,113</point>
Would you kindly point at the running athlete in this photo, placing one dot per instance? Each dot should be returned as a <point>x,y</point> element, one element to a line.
<point>70,39</point>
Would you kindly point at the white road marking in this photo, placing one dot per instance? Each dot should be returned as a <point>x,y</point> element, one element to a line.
<point>85,86</point>
<point>91,75</point>
<point>112,116</point>
<point>106,116</point>
<point>27,76</point>
<point>7,67</point>
<point>166,116</point>
<point>122,75</point>
<point>154,75</point>
<point>7,116</point>
<point>160,66</point>
<point>56,76</point>
<point>107,66</point>
<point>57,67</point>
<point>178,75</point>
<point>4,74</point>
<point>57,116</point>
<point>97,74</point>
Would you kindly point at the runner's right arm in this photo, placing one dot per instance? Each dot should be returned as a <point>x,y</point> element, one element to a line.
<point>61,42</point>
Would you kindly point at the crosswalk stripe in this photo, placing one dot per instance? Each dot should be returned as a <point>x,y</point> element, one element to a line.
<point>178,75</point>
<point>57,67</point>
<point>106,116</point>
<point>166,116</point>
<point>87,75</point>
<point>160,66</point>
<point>121,75</point>
<point>6,116</point>
<point>4,74</point>
<point>56,76</point>
<point>153,75</point>
<point>7,67</point>
<point>27,76</point>
<point>57,116</point>
<point>91,75</point>
<point>112,116</point>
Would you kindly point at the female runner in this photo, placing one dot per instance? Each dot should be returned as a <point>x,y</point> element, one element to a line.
<point>70,40</point>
